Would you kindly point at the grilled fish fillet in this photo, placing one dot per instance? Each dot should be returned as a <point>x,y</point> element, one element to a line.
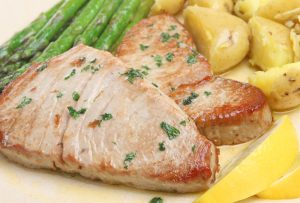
<point>82,112</point>
<point>225,111</point>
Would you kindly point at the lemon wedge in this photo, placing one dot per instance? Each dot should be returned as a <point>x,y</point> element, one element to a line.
<point>261,164</point>
<point>287,187</point>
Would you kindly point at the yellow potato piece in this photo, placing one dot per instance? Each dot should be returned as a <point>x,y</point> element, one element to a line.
<point>281,86</point>
<point>271,45</point>
<point>218,5</point>
<point>262,163</point>
<point>219,36</point>
<point>167,6</point>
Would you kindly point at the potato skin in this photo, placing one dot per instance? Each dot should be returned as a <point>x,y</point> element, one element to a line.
<point>270,45</point>
<point>219,36</point>
<point>218,5</point>
<point>167,6</point>
<point>281,86</point>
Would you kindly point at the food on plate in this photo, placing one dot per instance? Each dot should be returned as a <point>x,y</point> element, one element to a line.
<point>277,9</point>
<point>67,38</point>
<point>226,111</point>
<point>42,39</point>
<point>167,6</point>
<point>295,38</point>
<point>261,164</point>
<point>117,24</point>
<point>270,45</point>
<point>287,187</point>
<point>86,112</point>
<point>222,38</point>
<point>281,85</point>
<point>22,36</point>
<point>245,9</point>
<point>218,5</point>
<point>98,25</point>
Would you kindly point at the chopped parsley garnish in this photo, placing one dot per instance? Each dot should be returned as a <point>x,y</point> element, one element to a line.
<point>158,60</point>
<point>76,96</point>
<point>170,57</point>
<point>193,148</point>
<point>73,72</point>
<point>114,143</point>
<point>191,59</point>
<point>190,99</point>
<point>155,85</point>
<point>172,27</point>
<point>75,114</point>
<point>132,74</point>
<point>161,146</point>
<point>173,89</point>
<point>144,47</point>
<point>156,200</point>
<point>91,68</point>
<point>207,93</point>
<point>59,95</point>
<point>183,123</point>
<point>176,36</point>
<point>106,117</point>
<point>42,67</point>
<point>129,157</point>
<point>146,67</point>
<point>171,131</point>
<point>24,102</point>
<point>165,37</point>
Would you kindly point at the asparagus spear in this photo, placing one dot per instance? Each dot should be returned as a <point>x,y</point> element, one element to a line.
<point>21,37</point>
<point>46,34</point>
<point>66,40</point>
<point>143,12</point>
<point>96,27</point>
<point>117,24</point>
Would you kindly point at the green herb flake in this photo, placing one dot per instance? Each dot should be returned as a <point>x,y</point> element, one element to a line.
<point>190,99</point>
<point>59,95</point>
<point>158,60</point>
<point>170,57</point>
<point>193,148</point>
<point>171,131</point>
<point>114,143</point>
<point>144,47</point>
<point>91,68</point>
<point>73,72</point>
<point>75,114</point>
<point>93,61</point>
<point>128,159</point>
<point>106,117</point>
<point>173,89</point>
<point>132,74</point>
<point>156,200</point>
<point>42,67</point>
<point>155,85</point>
<point>176,36</point>
<point>146,67</point>
<point>165,37</point>
<point>191,59</point>
<point>76,96</point>
<point>24,102</point>
<point>172,28</point>
<point>207,93</point>
<point>183,123</point>
<point>161,146</point>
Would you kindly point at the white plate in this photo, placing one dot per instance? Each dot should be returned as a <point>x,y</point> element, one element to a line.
<point>19,184</point>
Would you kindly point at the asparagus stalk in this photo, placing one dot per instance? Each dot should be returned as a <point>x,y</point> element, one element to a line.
<point>21,37</point>
<point>46,34</point>
<point>97,26</point>
<point>66,40</point>
<point>143,12</point>
<point>117,24</point>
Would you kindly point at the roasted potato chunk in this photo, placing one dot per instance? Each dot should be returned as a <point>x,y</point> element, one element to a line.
<point>218,5</point>
<point>219,36</point>
<point>281,86</point>
<point>245,9</point>
<point>167,6</point>
<point>271,45</point>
